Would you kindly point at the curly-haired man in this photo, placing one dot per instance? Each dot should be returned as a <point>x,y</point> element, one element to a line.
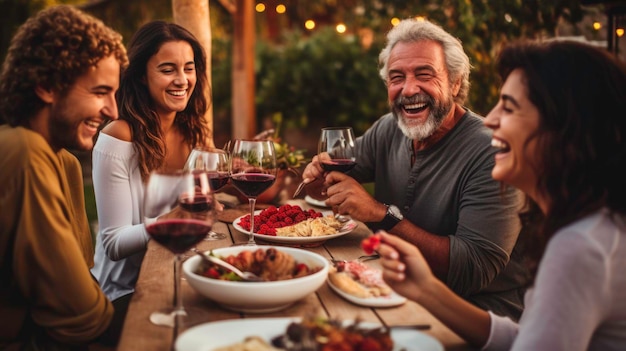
<point>57,86</point>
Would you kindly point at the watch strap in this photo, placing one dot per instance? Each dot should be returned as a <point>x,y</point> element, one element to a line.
<point>388,222</point>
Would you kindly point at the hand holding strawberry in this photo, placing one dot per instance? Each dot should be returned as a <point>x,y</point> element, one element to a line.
<point>370,244</point>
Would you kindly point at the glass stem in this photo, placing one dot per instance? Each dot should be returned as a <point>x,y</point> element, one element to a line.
<point>179,310</point>
<point>252,202</point>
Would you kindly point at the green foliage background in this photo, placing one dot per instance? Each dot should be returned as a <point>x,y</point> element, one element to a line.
<point>324,78</point>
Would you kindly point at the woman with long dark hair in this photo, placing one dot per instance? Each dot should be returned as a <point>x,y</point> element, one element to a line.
<point>560,131</point>
<point>162,101</point>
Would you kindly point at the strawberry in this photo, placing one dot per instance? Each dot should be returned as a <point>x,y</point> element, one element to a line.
<point>212,273</point>
<point>370,244</point>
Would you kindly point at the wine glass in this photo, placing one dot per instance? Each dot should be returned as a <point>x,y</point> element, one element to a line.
<point>215,163</point>
<point>178,213</point>
<point>336,150</point>
<point>252,170</point>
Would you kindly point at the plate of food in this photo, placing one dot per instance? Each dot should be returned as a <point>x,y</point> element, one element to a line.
<point>290,224</point>
<point>362,285</point>
<point>259,333</point>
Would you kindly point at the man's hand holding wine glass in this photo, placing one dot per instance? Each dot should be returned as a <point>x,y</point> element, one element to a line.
<point>347,197</point>
<point>337,156</point>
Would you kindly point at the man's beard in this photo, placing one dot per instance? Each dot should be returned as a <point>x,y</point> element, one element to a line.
<point>63,132</point>
<point>438,112</point>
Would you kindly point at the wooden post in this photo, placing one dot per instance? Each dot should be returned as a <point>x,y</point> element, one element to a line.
<point>194,16</point>
<point>243,84</point>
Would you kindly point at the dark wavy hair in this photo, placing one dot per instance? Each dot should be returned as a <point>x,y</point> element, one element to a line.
<point>137,107</point>
<point>580,93</point>
<point>52,49</point>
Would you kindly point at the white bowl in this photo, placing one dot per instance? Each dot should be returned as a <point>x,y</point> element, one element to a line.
<point>258,297</point>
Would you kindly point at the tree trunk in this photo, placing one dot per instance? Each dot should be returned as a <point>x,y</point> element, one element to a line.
<point>244,119</point>
<point>194,16</point>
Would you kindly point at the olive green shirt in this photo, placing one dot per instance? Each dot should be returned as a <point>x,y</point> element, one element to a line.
<point>46,247</point>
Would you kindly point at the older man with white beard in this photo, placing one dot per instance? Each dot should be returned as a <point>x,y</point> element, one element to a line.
<point>431,162</point>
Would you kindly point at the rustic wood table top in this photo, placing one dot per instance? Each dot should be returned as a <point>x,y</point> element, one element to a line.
<point>155,286</point>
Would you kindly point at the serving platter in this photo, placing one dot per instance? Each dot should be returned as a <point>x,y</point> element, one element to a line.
<point>391,300</point>
<point>347,227</point>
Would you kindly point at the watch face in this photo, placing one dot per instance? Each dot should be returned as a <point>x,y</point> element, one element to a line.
<point>395,211</point>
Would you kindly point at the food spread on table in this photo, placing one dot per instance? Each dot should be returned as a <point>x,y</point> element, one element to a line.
<point>270,264</point>
<point>320,226</point>
<point>358,279</point>
<point>292,221</point>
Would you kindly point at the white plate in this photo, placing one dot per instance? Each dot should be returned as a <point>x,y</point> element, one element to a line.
<point>208,336</point>
<point>314,202</point>
<point>383,301</point>
<point>347,228</point>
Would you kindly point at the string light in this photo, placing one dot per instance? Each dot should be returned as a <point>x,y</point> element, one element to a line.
<point>597,25</point>
<point>395,21</point>
<point>260,7</point>
<point>281,8</point>
<point>420,18</point>
<point>309,24</point>
<point>619,32</point>
<point>341,28</point>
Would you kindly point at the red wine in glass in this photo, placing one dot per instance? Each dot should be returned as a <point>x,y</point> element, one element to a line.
<point>338,164</point>
<point>336,149</point>
<point>218,180</point>
<point>179,211</point>
<point>252,171</point>
<point>252,184</point>
<point>195,204</point>
<point>213,162</point>
<point>178,235</point>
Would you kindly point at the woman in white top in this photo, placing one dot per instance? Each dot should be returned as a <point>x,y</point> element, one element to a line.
<point>561,133</point>
<point>162,103</point>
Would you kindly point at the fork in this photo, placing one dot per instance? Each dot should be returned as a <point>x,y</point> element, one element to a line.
<point>247,276</point>
<point>342,218</point>
<point>301,186</point>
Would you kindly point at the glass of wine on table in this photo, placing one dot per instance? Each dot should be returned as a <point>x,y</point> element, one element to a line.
<point>179,211</point>
<point>252,171</point>
<point>214,162</point>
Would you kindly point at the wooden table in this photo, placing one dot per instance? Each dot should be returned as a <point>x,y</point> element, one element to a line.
<point>154,291</point>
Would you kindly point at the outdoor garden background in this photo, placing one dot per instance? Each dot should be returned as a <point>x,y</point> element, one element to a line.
<point>308,78</point>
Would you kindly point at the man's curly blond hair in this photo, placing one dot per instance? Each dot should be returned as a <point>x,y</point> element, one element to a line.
<point>52,49</point>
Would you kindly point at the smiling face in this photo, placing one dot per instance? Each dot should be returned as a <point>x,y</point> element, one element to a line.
<point>514,120</point>
<point>76,115</point>
<point>171,77</point>
<point>419,92</point>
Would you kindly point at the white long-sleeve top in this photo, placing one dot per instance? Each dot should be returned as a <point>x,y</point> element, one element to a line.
<point>122,239</point>
<point>579,298</point>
